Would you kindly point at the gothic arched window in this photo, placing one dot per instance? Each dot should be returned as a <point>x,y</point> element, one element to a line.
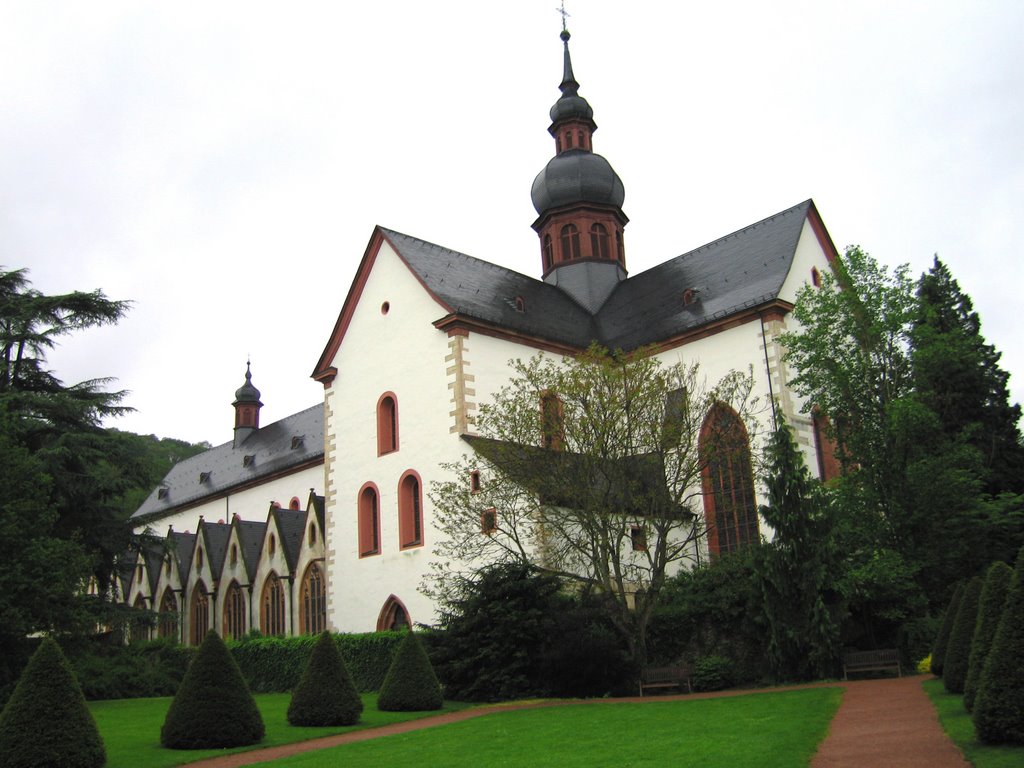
<point>272,607</point>
<point>234,612</point>
<point>730,508</point>
<point>199,614</point>
<point>313,608</point>
<point>168,622</point>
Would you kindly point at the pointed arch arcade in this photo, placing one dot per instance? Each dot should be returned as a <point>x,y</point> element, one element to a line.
<point>730,506</point>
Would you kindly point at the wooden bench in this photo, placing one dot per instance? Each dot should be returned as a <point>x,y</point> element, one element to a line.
<point>666,677</point>
<point>882,660</point>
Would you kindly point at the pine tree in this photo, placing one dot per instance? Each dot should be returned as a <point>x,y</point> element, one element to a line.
<point>958,649</point>
<point>46,721</point>
<point>326,694</point>
<point>939,649</point>
<point>999,706</point>
<point>990,609</point>
<point>798,569</point>
<point>410,684</point>
<point>213,707</point>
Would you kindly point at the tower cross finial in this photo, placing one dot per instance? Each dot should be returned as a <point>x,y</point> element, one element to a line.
<point>565,14</point>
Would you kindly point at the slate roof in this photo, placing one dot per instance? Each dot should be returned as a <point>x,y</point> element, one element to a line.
<point>271,448</point>
<point>216,536</point>
<point>251,534</point>
<point>291,524</point>
<point>183,545</point>
<point>741,270</point>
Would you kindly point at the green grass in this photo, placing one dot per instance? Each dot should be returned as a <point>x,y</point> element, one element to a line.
<point>131,729</point>
<point>766,730</point>
<point>956,722</point>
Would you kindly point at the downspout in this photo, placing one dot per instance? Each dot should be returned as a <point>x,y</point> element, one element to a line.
<point>768,371</point>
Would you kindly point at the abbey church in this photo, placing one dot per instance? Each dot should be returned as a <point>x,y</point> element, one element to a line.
<point>322,520</point>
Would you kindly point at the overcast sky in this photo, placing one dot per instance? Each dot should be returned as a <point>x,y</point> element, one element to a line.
<point>222,164</point>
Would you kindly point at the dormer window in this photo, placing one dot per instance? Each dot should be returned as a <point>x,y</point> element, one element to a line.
<point>204,477</point>
<point>689,297</point>
<point>297,441</point>
<point>162,493</point>
<point>520,304</point>
<point>248,460</point>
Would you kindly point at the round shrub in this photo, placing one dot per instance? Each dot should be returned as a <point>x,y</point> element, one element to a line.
<point>990,608</point>
<point>410,684</point>
<point>999,706</point>
<point>325,694</point>
<point>712,673</point>
<point>939,649</point>
<point>958,648</point>
<point>213,707</point>
<point>46,721</point>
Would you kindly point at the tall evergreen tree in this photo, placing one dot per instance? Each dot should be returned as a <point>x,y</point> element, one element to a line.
<point>957,375</point>
<point>958,649</point>
<point>990,609</point>
<point>942,640</point>
<point>799,569</point>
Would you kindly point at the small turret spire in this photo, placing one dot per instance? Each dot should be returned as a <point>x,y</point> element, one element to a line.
<point>247,407</point>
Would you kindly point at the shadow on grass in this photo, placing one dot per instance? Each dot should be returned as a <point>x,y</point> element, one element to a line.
<point>956,722</point>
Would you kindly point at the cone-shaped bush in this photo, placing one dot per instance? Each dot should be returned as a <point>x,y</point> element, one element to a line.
<point>46,721</point>
<point>326,694</point>
<point>990,608</point>
<point>213,706</point>
<point>958,648</point>
<point>999,707</point>
<point>939,649</point>
<point>410,684</point>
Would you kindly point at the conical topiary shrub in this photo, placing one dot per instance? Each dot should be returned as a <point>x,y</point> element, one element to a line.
<point>999,706</point>
<point>958,647</point>
<point>46,721</point>
<point>990,608</point>
<point>213,706</point>
<point>939,649</point>
<point>410,684</point>
<point>325,694</point>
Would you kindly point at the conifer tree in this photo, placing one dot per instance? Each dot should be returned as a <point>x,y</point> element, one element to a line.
<point>798,569</point>
<point>958,648</point>
<point>326,694</point>
<point>410,684</point>
<point>990,609</point>
<point>213,706</point>
<point>46,721</point>
<point>939,649</point>
<point>999,706</point>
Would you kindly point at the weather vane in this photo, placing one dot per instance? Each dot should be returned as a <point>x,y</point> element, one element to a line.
<point>565,15</point>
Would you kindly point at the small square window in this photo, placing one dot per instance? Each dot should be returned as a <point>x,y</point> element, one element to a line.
<point>489,521</point>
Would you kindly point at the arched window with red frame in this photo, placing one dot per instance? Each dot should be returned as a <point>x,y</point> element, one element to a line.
<point>599,247</point>
<point>313,608</point>
<point>234,612</point>
<point>168,617</point>
<point>570,237</point>
<point>730,507</point>
<point>369,520</point>
<point>410,510</point>
<point>272,618</point>
<point>387,424</point>
<point>393,616</point>
<point>199,614</point>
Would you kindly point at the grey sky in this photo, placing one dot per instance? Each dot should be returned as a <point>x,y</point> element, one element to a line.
<point>223,164</point>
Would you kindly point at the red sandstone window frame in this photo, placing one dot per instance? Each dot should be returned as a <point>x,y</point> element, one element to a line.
<point>489,521</point>
<point>570,241</point>
<point>387,423</point>
<point>600,247</point>
<point>313,603</point>
<point>368,520</point>
<point>410,510</point>
<point>199,613</point>
<point>234,612</point>
<point>272,610</point>
<point>727,478</point>
<point>552,421</point>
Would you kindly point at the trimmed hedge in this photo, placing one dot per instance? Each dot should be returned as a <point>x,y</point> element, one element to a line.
<point>990,609</point>
<point>958,648</point>
<point>410,684</point>
<point>213,707</point>
<point>325,695</point>
<point>939,649</point>
<point>999,707</point>
<point>46,721</point>
<point>115,671</point>
<point>712,673</point>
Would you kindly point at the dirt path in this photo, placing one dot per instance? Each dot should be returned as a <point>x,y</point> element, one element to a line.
<point>889,723</point>
<point>880,724</point>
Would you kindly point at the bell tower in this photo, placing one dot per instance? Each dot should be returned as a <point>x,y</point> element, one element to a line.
<point>247,408</point>
<point>578,198</point>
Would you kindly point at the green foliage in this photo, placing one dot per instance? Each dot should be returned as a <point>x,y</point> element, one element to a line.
<point>942,639</point>
<point>799,571</point>
<point>990,609</point>
<point>410,684</point>
<point>46,721</point>
<point>108,670</point>
<point>276,663</point>
<point>924,666</point>
<point>213,706</point>
<point>999,706</point>
<point>958,648</point>
<point>916,638</point>
<point>712,673</point>
<point>325,694</point>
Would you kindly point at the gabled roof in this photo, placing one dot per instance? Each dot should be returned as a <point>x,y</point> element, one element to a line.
<point>319,509</point>
<point>250,536</point>
<point>291,524</point>
<point>219,470</point>
<point>153,553</point>
<point>183,545</point>
<point>216,537</point>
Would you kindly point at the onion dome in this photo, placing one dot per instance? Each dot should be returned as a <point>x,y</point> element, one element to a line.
<point>577,176</point>
<point>247,393</point>
<point>570,105</point>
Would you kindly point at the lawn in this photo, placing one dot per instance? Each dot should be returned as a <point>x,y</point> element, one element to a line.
<point>765,730</point>
<point>131,728</point>
<point>957,723</point>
